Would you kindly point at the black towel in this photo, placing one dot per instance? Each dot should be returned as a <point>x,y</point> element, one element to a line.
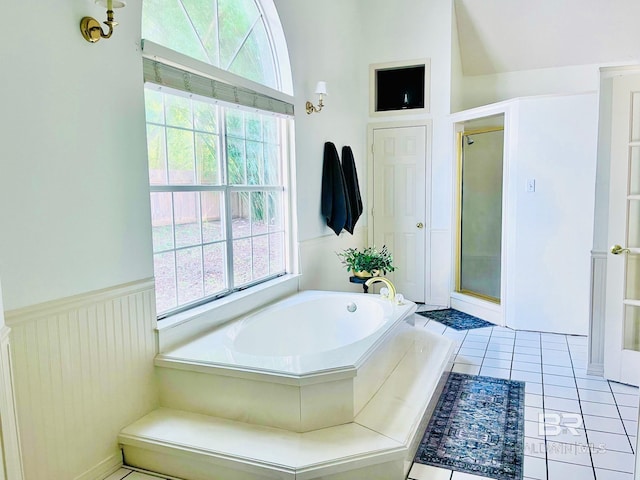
<point>334,204</point>
<point>353,189</point>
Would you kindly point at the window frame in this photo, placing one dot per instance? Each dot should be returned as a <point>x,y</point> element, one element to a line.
<point>166,56</point>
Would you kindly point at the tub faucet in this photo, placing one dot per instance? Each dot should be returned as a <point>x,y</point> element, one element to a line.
<point>387,282</point>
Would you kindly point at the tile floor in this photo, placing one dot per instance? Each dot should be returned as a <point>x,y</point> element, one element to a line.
<point>591,424</point>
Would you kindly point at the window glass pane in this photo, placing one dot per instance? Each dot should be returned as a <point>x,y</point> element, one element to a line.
<point>255,60</point>
<point>235,123</point>
<point>187,219</point>
<point>189,228</point>
<point>633,234</point>
<point>258,213</point>
<point>202,14</point>
<point>181,158</point>
<point>162,221</point>
<point>255,163</point>
<point>154,106</point>
<point>634,171</point>
<point>260,254</point>
<point>240,214</point>
<point>205,117</point>
<point>165,22</point>
<point>274,209</point>
<point>207,159</point>
<point>164,268</point>
<point>157,155</point>
<point>241,261</point>
<point>235,19</point>
<point>270,129</point>
<point>236,166</point>
<point>178,111</point>
<point>276,253</point>
<point>272,165</point>
<point>214,268</point>
<point>189,275</point>
<point>253,126</point>
<point>212,216</point>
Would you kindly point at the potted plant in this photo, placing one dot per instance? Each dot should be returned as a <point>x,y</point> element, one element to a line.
<point>367,263</point>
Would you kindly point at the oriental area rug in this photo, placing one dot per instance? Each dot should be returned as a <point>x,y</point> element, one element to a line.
<point>477,427</point>
<point>455,319</point>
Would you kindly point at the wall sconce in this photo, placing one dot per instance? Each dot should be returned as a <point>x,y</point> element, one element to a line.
<point>321,89</point>
<point>91,29</point>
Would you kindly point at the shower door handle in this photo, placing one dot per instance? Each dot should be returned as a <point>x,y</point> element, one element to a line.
<point>419,225</point>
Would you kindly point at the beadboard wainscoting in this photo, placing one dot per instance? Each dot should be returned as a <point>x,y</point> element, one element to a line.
<point>83,369</point>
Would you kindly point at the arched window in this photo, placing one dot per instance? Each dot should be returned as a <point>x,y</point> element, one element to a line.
<point>240,36</point>
<point>216,146</point>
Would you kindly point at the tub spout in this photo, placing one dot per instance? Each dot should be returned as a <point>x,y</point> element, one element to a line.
<point>387,282</point>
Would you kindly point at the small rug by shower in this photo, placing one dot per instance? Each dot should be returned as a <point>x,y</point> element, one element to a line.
<point>477,427</point>
<point>455,319</point>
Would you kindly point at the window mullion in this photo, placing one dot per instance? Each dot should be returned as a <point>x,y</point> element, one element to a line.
<point>244,40</point>
<point>227,197</point>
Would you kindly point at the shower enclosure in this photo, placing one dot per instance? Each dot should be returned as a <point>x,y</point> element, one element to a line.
<point>479,225</point>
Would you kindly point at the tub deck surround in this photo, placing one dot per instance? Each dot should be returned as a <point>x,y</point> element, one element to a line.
<point>351,353</point>
<point>379,443</point>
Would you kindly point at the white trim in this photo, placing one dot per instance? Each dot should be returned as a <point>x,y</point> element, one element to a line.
<point>428,125</point>
<point>176,329</point>
<point>109,465</point>
<point>488,311</point>
<point>63,305</point>
<point>11,453</point>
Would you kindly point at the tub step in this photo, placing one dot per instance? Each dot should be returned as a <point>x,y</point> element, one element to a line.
<point>378,444</point>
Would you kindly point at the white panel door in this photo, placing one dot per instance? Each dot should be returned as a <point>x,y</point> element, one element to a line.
<point>399,204</point>
<point>622,332</point>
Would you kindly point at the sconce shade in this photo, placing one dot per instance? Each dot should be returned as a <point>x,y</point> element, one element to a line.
<point>321,88</point>
<point>114,3</point>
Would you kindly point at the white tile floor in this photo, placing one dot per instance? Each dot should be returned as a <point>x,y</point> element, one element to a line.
<point>591,423</point>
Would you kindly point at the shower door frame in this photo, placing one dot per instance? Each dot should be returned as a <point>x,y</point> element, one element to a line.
<point>458,223</point>
<point>497,313</point>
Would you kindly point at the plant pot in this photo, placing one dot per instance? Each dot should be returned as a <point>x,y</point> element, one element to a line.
<point>362,274</point>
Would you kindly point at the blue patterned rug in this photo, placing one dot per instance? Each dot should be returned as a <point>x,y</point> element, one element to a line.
<point>455,319</point>
<point>477,427</point>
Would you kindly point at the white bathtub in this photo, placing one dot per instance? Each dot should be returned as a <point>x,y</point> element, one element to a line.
<point>303,363</point>
<point>307,333</point>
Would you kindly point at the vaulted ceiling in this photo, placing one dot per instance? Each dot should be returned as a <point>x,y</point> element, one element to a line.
<point>498,36</point>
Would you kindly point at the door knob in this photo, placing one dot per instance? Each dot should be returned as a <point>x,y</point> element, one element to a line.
<point>420,225</point>
<point>617,250</point>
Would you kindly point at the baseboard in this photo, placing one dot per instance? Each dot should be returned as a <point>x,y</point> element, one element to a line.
<point>595,369</point>
<point>105,468</point>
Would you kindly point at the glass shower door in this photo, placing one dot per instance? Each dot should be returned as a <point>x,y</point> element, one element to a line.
<point>480,200</point>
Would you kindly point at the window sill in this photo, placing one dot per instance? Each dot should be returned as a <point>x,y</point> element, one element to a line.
<point>181,327</point>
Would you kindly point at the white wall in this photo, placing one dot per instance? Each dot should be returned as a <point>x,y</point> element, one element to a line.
<point>485,89</point>
<point>325,44</point>
<point>550,267</point>
<point>73,180</point>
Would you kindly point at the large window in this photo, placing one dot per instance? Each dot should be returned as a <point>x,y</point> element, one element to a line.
<point>217,170</point>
